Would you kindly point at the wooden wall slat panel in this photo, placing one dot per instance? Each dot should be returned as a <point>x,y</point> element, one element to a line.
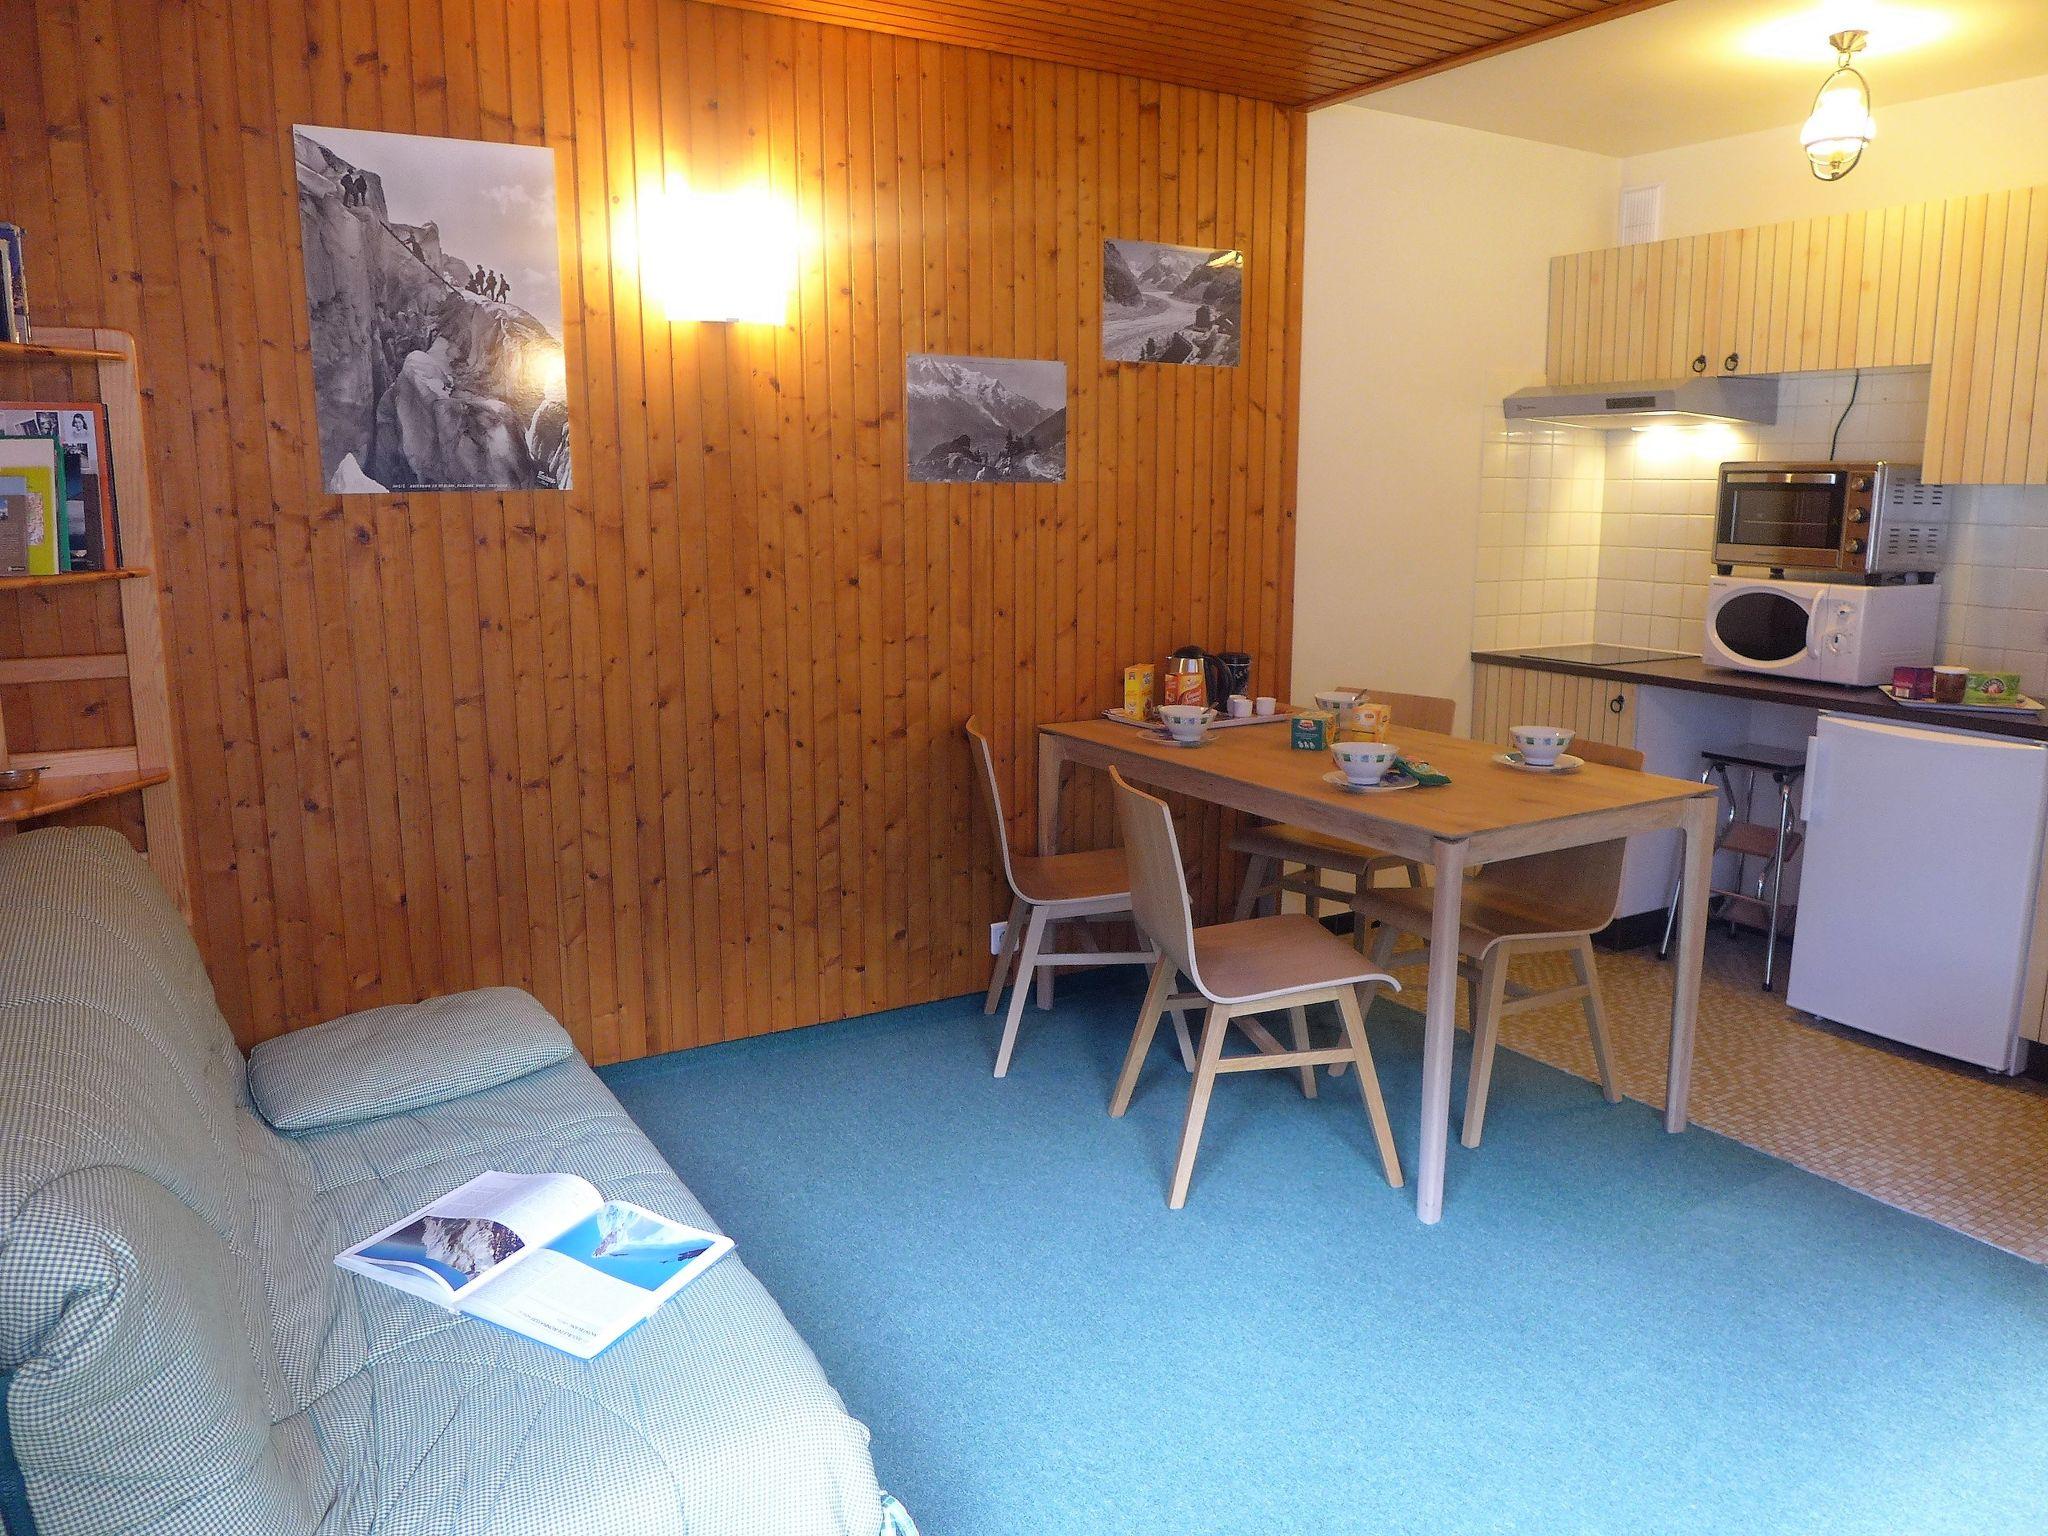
<point>679,749</point>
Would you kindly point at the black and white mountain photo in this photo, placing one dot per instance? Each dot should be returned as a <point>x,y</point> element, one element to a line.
<point>435,293</point>
<point>985,418</point>
<point>1171,303</point>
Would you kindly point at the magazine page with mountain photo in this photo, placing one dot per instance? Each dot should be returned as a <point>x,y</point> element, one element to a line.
<point>1171,303</point>
<point>434,290</point>
<point>543,1254</point>
<point>985,419</point>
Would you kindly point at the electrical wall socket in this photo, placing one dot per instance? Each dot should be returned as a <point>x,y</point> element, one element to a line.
<point>997,932</point>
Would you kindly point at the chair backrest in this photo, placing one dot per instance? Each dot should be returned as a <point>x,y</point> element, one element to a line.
<point>1578,887</point>
<point>1159,885</point>
<point>992,799</point>
<point>1418,711</point>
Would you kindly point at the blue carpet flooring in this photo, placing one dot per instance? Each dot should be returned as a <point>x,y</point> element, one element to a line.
<point>1613,1330</point>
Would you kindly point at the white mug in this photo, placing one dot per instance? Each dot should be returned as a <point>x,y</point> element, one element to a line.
<point>1240,707</point>
<point>1264,704</point>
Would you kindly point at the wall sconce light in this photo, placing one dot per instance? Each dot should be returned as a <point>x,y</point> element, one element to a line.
<point>720,256</point>
<point>1840,126</point>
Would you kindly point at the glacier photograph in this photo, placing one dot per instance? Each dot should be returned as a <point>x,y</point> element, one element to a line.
<point>434,289</point>
<point>985,418</point>
<point>1171,303</point>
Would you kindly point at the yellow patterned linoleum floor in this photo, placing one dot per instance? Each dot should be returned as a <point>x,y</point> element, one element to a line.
<point>1966,1148</point>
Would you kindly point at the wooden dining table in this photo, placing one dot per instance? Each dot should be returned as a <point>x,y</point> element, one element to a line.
<point>1488,811</point>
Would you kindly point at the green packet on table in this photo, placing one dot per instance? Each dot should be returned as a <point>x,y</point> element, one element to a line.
<point>1421,773</point>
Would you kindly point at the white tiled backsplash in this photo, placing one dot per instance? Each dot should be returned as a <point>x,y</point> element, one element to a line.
<point>1589,535</point>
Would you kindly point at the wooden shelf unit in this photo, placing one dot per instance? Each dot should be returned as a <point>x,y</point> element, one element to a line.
<point>75,777</point>
<point>16,582</point>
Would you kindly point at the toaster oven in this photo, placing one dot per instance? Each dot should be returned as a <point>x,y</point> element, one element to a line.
<point>1843,520</point>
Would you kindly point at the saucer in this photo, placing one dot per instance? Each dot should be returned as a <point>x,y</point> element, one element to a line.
<point>1391,780</point>
<point>1565,763</point>
<point>1202,740</point>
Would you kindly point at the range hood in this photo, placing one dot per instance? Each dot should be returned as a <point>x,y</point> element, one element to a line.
<point>1665,403</point>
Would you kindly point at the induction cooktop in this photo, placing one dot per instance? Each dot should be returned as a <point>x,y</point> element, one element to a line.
<point>1600,655</point>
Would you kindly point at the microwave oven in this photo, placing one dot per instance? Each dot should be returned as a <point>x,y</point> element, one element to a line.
<point>1830,632</point>
<point>1850,520</point>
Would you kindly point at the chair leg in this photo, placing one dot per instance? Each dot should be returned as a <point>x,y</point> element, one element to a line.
<point>1596,1018</point>
<point>1045,985</point>
<point>1180,1034</point>
<point>1493,986</point>
<point>1369,1084</point>
<point>1013,935</point>
<point>1198,1103</point>
<point>1027,963</point>
<point>1156,994</point>
<point>1258,872</point>
<point>1382,954</point>
<point>1297,1023</point>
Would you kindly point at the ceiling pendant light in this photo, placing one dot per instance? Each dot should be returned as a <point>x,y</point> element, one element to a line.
<point>1840,126</point>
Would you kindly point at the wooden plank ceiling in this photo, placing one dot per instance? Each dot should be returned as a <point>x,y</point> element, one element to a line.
<point>1296,52</point>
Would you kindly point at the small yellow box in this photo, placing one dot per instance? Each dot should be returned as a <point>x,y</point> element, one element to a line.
<point>1138,682</point>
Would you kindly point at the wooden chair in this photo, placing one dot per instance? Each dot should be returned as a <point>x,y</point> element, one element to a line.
<point>1048,890</point>
<point>1542,903</point>
<point>1270,849</point>
<point>1239,970</point>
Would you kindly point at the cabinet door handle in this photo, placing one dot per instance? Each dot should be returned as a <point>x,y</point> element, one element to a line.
<point>1699,364</point>
<point>1617,704</point>
<point>1732,362</point>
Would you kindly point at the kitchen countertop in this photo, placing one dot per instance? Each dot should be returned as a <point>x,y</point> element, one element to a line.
<point>1693,675</point>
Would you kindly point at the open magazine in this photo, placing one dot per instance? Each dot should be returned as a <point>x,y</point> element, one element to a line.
<point>543,1254</point>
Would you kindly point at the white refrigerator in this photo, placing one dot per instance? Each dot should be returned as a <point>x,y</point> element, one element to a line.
<point>1916,896</point>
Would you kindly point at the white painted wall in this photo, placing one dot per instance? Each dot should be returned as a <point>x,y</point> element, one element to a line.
<point>1942,146</point>
<point>1426,292</point>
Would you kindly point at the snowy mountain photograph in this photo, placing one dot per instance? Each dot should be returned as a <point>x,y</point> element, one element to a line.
<point>1171,303</point>
<point>435,293</point>
<point>985,418</point>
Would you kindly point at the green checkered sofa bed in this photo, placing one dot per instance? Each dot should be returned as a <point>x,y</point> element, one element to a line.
<point>178,1354</point>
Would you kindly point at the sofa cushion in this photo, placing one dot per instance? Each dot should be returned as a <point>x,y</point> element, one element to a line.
<point>712,1417</point>
<point>152,1228</point>
<point>385,1061</point>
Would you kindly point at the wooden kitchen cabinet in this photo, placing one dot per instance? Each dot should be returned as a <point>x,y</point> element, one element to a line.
<point>1959,286</point>
<point>1596,708</point>
<point>1987,413</point>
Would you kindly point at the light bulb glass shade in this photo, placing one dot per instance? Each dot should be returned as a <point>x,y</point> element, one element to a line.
<point>720,256</point>
<point>1840,126</point>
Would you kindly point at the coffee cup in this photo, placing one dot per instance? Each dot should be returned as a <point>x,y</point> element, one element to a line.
<point>1240,707</point>
<point>1540,744</point>
<point>1363,763</point>
<point>1186,723</point>
<point>1265,704</point>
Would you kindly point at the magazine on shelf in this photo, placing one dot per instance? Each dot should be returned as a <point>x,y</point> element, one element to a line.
<point>80,426</point>
<point>543,1254</point>
<point>38,462</point>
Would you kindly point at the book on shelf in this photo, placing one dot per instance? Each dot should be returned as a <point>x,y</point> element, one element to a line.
<point>14,281</point>
<point>89,503</point>
<point>542,1254</point>
<point>17,508</point>
<point>38,463</point>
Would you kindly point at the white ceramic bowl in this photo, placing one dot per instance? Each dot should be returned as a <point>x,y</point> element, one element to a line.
<point>1540,744</point>
<point>1186,722</point>
<point>1363,762</point>
<point>1336,700</point>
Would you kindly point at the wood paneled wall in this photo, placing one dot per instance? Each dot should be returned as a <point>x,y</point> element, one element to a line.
<point>678,750</point>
